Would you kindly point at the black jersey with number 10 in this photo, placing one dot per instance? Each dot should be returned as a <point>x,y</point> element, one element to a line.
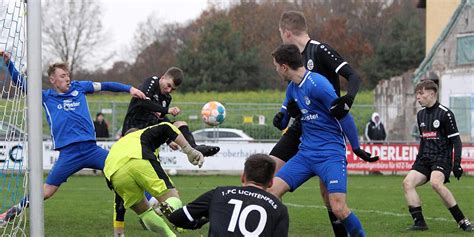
<point>241,211</point>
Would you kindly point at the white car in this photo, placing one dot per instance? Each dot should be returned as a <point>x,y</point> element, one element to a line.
<point>221,134</point>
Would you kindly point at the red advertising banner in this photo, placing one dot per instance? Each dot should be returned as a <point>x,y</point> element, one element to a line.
<point>398,157</point>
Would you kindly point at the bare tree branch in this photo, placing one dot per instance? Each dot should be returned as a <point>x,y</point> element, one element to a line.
<point>72,31</point>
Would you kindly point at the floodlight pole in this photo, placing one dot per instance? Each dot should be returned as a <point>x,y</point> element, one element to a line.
<point>35,122</point>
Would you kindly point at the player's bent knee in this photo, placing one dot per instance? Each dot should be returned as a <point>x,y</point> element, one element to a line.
<point>279,187</point>
<point>278,163</point>
<point>437,186</point>
<point>407,184</point>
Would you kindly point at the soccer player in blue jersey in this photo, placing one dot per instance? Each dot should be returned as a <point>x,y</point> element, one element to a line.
<point>72,129</point>
<point>322,151</point>
<point>323,59</point>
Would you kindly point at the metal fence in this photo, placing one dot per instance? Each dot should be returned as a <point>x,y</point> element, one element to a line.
<point>255,119</point>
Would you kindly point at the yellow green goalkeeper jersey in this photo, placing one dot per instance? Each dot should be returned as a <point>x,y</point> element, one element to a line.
<point>141,144</point>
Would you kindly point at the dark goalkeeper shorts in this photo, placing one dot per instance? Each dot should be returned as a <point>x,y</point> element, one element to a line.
<point>288,144</point>
<point>426,166</point>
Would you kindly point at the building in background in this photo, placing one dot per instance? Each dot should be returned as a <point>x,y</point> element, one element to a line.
<point>450,58</point>
<point>449,61</point>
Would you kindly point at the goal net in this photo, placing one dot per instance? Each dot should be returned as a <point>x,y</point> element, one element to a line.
<point>13,136</point>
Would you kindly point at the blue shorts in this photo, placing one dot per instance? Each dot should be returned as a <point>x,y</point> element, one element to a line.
<point>330,169</point>
<point>75,157</point>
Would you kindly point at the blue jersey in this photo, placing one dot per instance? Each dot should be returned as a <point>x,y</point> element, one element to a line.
<point>322,133</point>
<point>68,114</point>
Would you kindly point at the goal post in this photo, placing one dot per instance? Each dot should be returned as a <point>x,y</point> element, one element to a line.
<point>21,140</point>
<point>34,115</point>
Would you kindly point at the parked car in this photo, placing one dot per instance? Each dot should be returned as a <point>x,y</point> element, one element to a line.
<point>224,134</point>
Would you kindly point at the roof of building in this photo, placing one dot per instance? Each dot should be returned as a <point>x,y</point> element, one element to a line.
<point>427,62</point>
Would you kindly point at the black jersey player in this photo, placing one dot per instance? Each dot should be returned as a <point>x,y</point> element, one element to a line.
<point>434,162</point>
<point>149,112</point>
<point>239,211</point>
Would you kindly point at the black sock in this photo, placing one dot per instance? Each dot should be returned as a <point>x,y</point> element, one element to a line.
<point>417,215</point>
<point>456,212</point>
<point>337,226</point>
<point>188,135</point>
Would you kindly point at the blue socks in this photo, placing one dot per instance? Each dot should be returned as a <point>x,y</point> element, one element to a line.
<point>353,226</point>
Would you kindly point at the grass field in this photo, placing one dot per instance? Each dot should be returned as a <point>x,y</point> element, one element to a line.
<point>83,207</point>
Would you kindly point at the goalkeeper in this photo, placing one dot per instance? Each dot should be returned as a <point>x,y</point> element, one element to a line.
<point>72,130</point>
<point>133,167</point>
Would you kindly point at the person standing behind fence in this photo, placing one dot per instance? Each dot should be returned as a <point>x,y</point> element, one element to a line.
<point>434,162</point>
<point>101,127</point>
<point>374,130</point>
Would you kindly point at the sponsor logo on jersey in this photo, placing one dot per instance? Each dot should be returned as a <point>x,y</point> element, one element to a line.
<point>436,123</point>
<point>422,124</point>
<point>334,181</point>
<point>432,134</point>
<point>310,64</point>
<point>163,103</point>
<point>69,105</point>
<point>309,117</point>
<point>156,97</point>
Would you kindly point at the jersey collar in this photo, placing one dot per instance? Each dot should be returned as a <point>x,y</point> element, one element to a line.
<point>436,105</point>
<point>306,75</point>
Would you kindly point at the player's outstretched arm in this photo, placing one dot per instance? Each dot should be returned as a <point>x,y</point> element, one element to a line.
<point>17,78</point>
<point>350,130</point>
<point>137,93</point>
<point>118,87</point>
<point>194,214</point>
<point>194,156</point>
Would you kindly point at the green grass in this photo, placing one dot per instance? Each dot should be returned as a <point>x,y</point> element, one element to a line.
<point>83,207</point>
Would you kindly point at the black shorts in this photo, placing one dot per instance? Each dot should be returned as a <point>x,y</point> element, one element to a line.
<point>426,166</point>
<point>288,144</point>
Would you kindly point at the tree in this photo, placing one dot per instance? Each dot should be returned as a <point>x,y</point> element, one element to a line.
<point>215,60</point>
<point>401,48</point>
<point>72,31</point>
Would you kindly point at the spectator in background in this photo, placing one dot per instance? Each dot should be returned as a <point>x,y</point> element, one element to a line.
<point>101,127</point>
<point>374,130</point>
<point>415,133</point>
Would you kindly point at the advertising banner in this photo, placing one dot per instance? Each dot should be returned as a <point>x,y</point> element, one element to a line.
<point>393,157</point>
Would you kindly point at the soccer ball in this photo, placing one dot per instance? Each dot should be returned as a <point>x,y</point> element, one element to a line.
<point>213,113</point>
<point>172,172</point>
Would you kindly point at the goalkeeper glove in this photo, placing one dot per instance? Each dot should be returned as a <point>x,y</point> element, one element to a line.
<point>341,106</point>
<point>293,109</point>
<point>365,155</point>
<point>194,156</point>
<point>457,169</point>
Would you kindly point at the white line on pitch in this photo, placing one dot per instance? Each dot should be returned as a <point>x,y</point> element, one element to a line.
<point>368,211</point>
